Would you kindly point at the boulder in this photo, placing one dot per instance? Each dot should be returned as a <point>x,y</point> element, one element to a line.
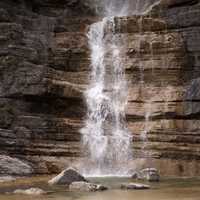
<point>150,174</point>
<point>134,186</point>
<point>134,175</point>
<point>14,166</point>
<point>7,179</point>
<point>31,191</point>
<point>66,177</point>
<point>86,187</point>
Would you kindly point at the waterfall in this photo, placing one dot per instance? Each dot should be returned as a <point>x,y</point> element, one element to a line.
<point>105,134</point>
<point>110,8</point>
<point>106,139</point>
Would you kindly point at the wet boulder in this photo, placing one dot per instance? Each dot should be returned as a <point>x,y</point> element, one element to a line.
<point>86,187</point>
<point>134,175</point>
<point>66,177</point>
<point>149,174</point>
<point>14,166</point>
<point>134,186</point>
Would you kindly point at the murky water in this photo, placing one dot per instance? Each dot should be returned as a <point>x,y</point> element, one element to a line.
<point>168,189</point>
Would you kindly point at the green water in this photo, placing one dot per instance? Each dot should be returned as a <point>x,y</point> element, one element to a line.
<point>167,189</point>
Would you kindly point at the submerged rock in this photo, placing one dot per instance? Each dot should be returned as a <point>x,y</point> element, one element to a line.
<point>86,187</point>
<point>66,177</point>
<point>134,186</point>
<point>150,174</point>
<point>31,191</point>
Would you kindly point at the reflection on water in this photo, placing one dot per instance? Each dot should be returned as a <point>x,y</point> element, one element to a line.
<point>171,189</point>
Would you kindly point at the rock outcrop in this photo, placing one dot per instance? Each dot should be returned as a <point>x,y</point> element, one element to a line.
<point>44,70</point>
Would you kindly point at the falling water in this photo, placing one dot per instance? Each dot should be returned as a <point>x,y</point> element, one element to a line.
<point>105,135</point>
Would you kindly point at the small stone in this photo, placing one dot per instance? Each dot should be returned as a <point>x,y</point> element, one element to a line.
<point>134,186</point>
<point>31,191</point>
<point>86,187</point>
<point>66,177</point>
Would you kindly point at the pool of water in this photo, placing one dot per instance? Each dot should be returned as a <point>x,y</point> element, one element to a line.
<point>166,189</point>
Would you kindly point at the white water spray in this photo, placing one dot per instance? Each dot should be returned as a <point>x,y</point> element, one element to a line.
<point>105,135</point>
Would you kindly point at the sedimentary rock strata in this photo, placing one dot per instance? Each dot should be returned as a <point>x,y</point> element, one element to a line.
<point>44,71</point>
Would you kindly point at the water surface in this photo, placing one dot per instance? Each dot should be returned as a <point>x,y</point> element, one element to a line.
<point>168,189</point>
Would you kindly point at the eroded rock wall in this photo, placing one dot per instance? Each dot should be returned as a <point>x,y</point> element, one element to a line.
<point>163,68</point>
<point>43,72</point>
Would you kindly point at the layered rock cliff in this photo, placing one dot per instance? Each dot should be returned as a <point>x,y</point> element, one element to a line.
<point>44,70</point>
<point>163,62</point>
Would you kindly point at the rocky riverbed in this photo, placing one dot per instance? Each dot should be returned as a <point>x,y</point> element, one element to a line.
<point>167,189</point>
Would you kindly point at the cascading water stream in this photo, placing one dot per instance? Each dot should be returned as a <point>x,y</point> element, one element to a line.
<point>105,134</point>
<point>106,138</point>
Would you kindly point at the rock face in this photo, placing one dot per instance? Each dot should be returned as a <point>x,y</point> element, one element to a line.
<point>44,69</point>
<point>67,177</point>
<point>43,72</point>
<point>176,3</point>
<point>163,68</point>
